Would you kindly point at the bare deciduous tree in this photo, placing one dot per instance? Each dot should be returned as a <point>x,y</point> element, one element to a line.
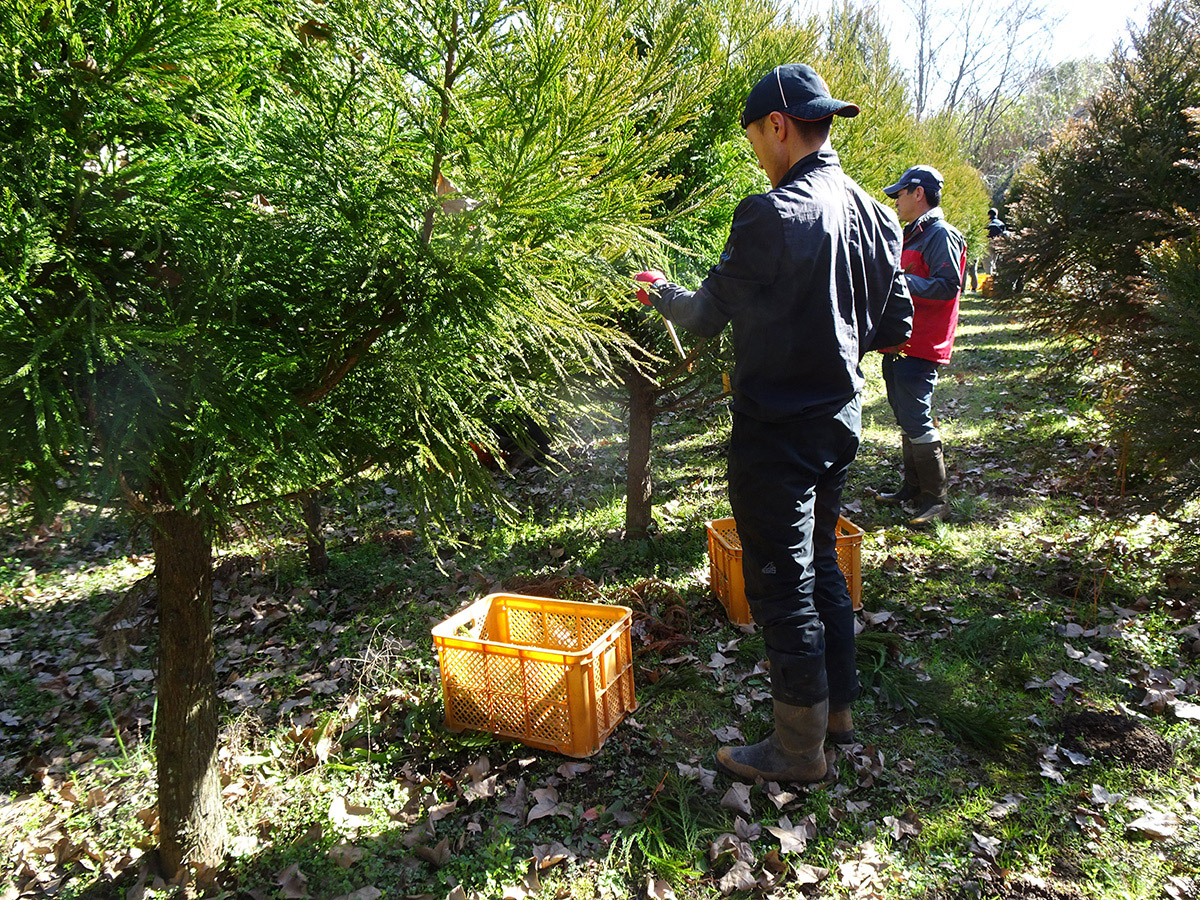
<point>971,61</point>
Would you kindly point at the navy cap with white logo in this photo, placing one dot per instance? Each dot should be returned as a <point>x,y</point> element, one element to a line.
<point>797,91</point>
<point>918,176</point>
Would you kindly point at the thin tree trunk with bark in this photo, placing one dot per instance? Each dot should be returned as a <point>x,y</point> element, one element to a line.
<point>191,818</point>
<point>318,556</point>
<point>639,490</point>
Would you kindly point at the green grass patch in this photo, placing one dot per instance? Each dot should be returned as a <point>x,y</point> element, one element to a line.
<point>1050,594</point>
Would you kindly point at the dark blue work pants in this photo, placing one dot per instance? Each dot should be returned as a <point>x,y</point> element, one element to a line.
<point>785,486</point>
<point>910,382</point>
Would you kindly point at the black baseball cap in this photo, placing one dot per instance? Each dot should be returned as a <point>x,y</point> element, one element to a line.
<point>795,90</point>
<point>918,176</point>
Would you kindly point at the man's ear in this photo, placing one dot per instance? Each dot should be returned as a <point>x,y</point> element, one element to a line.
<point>779,123</point>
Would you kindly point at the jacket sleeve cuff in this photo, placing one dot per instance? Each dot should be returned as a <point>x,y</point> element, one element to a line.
<point>697,311</point>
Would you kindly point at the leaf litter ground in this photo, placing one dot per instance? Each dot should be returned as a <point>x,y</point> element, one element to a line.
<point>1028,725</point>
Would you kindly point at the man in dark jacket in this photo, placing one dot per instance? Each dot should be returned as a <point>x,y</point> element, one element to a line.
<point>995,230</point>
<point>810,280</point>
<point>935,262</point>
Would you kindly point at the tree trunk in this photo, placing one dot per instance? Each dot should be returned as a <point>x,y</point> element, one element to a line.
<point>191,819</point>
<point>318,556</point>
<point>638,487</point>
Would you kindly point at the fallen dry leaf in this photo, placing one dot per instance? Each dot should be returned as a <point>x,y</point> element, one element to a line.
<point>478,770</point>
<point>1073,630</point>
<point>1178,888</point>
<point>740,877</point>
<point>546,855</point>
<point>984,845</point>
<point>436,856</point>
<point>292,882</point>
<point>904,826</point>
<point>859,875</point>
<point>779,797</point>
<point>1101,797</point>
<point>1075,759</point>
<point>792,839</point>
<point>803,874</point>
<point>659,889</point>
<point>363,893</point>
<point>731,844</point>
<point>481,789</point>
<point>1184,710</point>
<point>1007,804</point>
<point>1089,821</point>
<point>442,810</point>
<point>345,855</point>
<point>706,777</point>
<point>533,881</point>
<point>1048,770</point>
<point>737,798</point>
<point>773,862</point>
<point>1157,826</point>
<point>416,835</point>
<point>546,804</point>
<point>518,804</point>
<point>729,734</point>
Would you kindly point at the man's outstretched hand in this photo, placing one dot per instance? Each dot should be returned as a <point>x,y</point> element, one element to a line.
<point>650,276</point>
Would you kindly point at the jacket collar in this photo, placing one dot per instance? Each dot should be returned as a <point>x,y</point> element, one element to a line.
<point>923,222</point>
<point>823,157</point>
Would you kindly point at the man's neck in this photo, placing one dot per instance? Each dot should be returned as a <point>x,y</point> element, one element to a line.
<point>923,213</point>
<point>800,149</point>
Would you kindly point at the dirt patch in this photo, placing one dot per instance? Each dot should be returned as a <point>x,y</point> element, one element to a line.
<point>1111,736</point>
<point>993,888</point>
<point>1034,890</point>
<point>555,587</point>
<point>661,620</point>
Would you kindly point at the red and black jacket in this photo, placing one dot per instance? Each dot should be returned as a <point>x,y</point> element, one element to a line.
<point>935,263</point>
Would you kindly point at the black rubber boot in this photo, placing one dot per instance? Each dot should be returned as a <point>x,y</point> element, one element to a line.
<point>910,489</point>
<point>794,752</point>
<point>931,475</point>
<point>840,727</point>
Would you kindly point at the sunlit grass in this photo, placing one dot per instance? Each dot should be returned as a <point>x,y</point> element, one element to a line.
<point>978,608</point>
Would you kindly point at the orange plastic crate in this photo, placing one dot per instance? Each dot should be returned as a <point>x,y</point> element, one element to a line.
<point>725,565</point>
<point>554,674</point>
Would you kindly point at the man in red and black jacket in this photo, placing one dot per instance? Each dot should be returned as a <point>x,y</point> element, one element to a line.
<point>935,263</point>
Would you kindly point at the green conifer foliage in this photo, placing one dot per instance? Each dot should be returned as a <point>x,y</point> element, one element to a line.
<point>1102,231</point>
<point>1163,406</point>
<point>247,253</point>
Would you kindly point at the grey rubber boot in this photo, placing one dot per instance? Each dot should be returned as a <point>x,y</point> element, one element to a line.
<point>840,727</point>
<point>910,489</point>
<point>931,475</point>
<point>795,750</point>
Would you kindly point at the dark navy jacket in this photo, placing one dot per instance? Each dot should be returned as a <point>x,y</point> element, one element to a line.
<point>810,278</point>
